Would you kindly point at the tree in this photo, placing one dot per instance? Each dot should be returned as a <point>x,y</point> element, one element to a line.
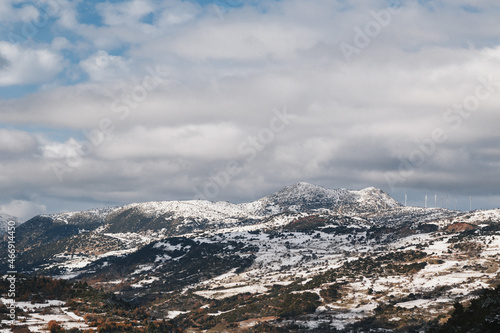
<point>54,327</point>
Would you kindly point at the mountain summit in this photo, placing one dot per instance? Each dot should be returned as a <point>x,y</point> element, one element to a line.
<point>305,196</point>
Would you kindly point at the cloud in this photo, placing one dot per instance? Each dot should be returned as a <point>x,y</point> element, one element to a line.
<point>242,41</point>
<point>28,66</point>
<point>10,13</point>
<point>125,12</point>
<point>29,13</point>
<point>60,43</point>
<point>203,142</point>
<point>177,12</point>
<point>58,150</point>
<point>4,63</point>
<point>218,76</point>
<point>23,209</point>
<point>105,67</point>
<point>16,142</point>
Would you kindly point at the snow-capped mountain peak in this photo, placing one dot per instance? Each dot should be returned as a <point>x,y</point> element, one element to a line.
<point>373,196</point>
<point>307,196</point>
<point>193,216</point>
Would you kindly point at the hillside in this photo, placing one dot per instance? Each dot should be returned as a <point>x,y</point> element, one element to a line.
<point>305,258</point>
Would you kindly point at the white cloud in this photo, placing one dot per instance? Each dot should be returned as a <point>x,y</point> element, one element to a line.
<point>128,12</point>
<point>67,14</point>
<point>238,40</point>
<point>29,13</point>
<point>61,150</point>
<point>60,43</point>
<point>28,66</point>
<point>5,8</point>
<point>16,142</point>
<point>23,209</point>
<point>105,67</point>
<point>194,142</point>
<point>177,12</point>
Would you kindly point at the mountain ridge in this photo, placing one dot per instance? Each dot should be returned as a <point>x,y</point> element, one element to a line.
<point>305,256</point>
<point>175,218</point>
<point>310,196</point>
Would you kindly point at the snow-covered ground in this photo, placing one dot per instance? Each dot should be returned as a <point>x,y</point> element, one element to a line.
<point>280,260</point>
<point>36,316</point>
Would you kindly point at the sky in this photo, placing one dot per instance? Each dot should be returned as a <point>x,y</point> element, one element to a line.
<point>105,103</point>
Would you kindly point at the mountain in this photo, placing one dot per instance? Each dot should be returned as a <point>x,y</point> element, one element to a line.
<point>305,197</point>
<point>47,235</point>
<point>305,258</point>
<point>180,217</point>
<point>89,217</point>
<point>4,222</point>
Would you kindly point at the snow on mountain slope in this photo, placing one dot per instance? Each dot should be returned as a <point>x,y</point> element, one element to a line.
<point>443,217</point>
<point>4,222</point>
<point>291,198</point>
<point>87,216</point>
<point>197,208</point>
<point>480,216</point>
<point>294,198</point>
<point>431,269</point>
<point>149,221</point>
<point>304,196</point>
<point>372,197</point>
<point>5,218</point>
<point>198,214</point>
